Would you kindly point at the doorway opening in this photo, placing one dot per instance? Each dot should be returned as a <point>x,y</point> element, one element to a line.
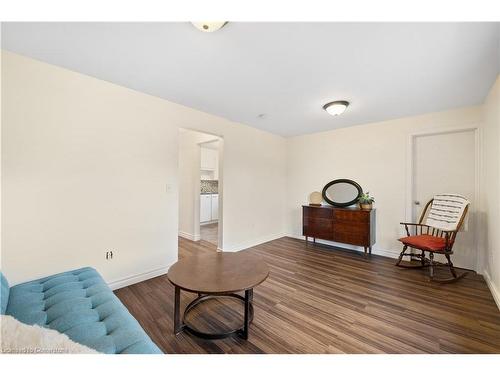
<point>448,162</point>
<point>200,188</point>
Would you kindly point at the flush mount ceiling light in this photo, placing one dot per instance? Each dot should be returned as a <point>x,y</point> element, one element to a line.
<point>337,107</point>
<point>209,27</point>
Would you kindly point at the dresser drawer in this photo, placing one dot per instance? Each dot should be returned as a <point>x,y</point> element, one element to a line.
<point>351,216</point>
<point>352,227</point>
<point>318,212</point>
<point>318,228</point>
<point>358,239</point>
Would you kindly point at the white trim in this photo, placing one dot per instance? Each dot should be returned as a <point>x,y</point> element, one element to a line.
<point>375,250</point>
<point>134,279</point>
<point>476,129</point>
<point>189,236</point>
<point>478,144</point>
<point>208,222</point>
<point>220,191</point>
<point>494,291</point>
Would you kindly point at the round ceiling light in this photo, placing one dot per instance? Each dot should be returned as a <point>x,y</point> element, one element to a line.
<point>337,107</point>
<point>209,27</point>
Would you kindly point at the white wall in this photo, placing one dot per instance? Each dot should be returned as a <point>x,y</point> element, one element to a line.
<point>491,178</point>
<point>189,182</point>
<point>374,155</point>
<point>85,165</point>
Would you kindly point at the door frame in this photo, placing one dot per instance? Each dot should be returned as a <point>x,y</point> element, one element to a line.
<point>410,171</point>
<point>220,161</point>
<point>196,187</point>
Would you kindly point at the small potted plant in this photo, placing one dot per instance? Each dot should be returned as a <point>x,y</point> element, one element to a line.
<point>366,201</point>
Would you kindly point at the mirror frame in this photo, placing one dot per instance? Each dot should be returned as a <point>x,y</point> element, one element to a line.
<point>338,181</point>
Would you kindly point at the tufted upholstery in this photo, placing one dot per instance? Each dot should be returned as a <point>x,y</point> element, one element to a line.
<point>4,292</point>
<point>81,305</point>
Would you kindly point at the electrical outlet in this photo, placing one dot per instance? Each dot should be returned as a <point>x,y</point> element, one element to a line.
<point>169,188</point>
<point>109,255</point>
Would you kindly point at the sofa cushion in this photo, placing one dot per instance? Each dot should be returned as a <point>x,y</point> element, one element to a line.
<point>4,292</point>
<point>80,304</point>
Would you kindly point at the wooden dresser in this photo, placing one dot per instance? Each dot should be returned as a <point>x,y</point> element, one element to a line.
<point>349,225</point>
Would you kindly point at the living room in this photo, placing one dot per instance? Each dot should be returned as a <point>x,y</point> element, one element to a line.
<point>338,163</point>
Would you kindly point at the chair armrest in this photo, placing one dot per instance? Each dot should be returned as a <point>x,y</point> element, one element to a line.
<point>415,224</point>
<point>447,233</point>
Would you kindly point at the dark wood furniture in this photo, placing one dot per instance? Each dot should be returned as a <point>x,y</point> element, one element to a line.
<point>214,276</point>
<point>349,225</point>
<point>433,240</point>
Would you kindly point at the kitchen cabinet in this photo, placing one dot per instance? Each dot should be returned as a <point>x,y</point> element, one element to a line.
<point>209,207</point>
<point>215,206</point>
<point>205,207</point>
<point>209,159</point>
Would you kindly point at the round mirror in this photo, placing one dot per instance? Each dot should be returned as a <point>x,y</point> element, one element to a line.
<point>342,192</point>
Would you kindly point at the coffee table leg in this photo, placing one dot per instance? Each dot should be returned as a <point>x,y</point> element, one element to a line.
<point>177,312</point>
<point>246,323</point>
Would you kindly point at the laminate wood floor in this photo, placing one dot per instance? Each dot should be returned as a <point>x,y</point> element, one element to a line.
<point>210,233</point>
<point>321,300</point>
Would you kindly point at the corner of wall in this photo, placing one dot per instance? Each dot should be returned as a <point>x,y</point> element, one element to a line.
<point>251,243</point>
<point>494,291</point>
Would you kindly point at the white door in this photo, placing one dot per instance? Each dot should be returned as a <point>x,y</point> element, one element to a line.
<point>445,163</point>
<point>215,206</point>
<point>205,207</point>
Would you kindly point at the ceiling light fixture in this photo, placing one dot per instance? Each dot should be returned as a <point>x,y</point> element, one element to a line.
<point>209,27</point>
<point>337,107</point>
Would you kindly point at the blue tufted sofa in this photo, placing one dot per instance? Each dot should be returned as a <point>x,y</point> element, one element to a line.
<point>79,304</point>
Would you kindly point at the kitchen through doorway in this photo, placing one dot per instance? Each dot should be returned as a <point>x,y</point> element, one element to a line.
<point>200,187</point>
<point>209,191</point>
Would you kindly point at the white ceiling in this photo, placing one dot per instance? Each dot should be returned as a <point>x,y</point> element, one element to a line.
<point>286,71</point>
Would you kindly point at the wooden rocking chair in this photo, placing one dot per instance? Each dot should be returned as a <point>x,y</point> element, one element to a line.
<point>444,216</point>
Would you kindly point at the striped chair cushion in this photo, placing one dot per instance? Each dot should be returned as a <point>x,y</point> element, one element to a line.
<point>446,211</point>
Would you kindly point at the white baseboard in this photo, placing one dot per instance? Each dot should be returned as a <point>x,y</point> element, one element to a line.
<point>189,236</point>
<point>375,250</point>
<point>209,222</point>
<point>494,291</point>
<point>129,280</point>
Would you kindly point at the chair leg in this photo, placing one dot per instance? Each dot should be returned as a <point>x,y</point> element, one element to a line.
<point>450,264</point>
<point>454,277</point>
<point>431,264</point>
<point>401,255</point>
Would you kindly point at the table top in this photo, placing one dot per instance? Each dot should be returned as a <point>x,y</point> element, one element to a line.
<point>218,273</point>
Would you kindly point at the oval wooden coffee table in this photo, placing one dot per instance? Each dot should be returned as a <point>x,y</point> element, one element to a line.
<point>214,276</point>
